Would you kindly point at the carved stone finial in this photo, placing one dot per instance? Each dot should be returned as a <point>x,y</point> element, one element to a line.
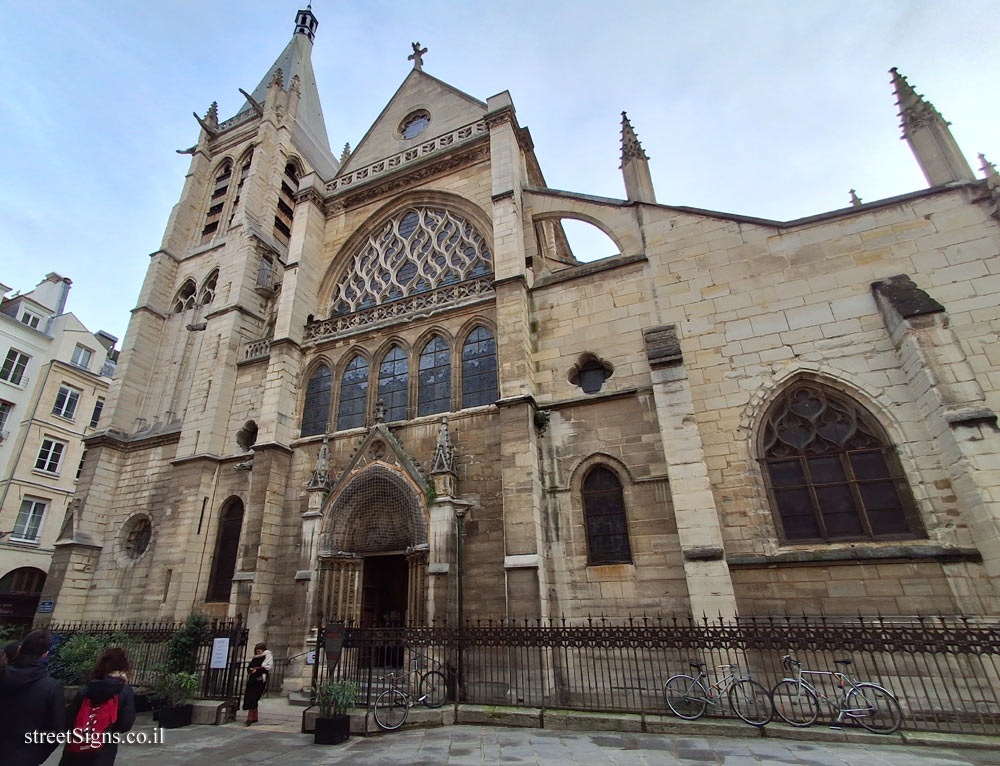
<point>855,199</point>
<point>210,122</point>
<point>278,79</point>
<point>345,154</point>
<point>296,82</point>
<point>212,115</point>
<point>320,478</point>
<point>380,410</point>
<point>992,184</point>
<point>444,452</point>
<point>989,170</point>
<point>631,148</point>
<point>417,57</point>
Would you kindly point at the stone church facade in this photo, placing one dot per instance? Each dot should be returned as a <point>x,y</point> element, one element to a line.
<point>381,387</point>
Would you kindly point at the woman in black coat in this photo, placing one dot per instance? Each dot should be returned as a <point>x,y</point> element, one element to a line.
<point>257,672</point>
<point>109,678</point>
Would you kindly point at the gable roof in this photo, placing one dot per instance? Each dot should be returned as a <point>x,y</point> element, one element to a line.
<point>449,109</point>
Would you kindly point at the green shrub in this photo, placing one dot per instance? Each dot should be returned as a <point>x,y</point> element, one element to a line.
<point>182,650</point>
<point>72,658</point>
<point>335,697</point>
<point>174,689</point>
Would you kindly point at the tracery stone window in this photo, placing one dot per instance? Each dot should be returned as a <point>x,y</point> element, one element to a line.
<point>605,519</point>
<point>316,409</point>
<point>137,533</point>
<point>208,289</point>
<point>832,473</point>
<point>434,378</point>
<point>479,368</point>
<point>184,299</point>
<point>414,124</point>
<point>417,251</point>
<point>353,394</point>
<point>393,375</point>
<point>245,164</point>
<point>218,201</point>
<point>227,543</point>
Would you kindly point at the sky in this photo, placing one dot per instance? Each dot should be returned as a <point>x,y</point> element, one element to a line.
<point>766,108</point>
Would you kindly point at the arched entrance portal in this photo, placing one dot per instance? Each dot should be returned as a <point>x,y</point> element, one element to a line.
<point>373,563</point>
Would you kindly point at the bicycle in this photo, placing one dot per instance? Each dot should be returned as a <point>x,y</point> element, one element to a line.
<point>796,701</point>
<point>689,697</point>
<point>393,705</point>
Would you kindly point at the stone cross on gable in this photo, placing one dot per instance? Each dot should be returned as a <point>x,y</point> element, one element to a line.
<point>417,57</point>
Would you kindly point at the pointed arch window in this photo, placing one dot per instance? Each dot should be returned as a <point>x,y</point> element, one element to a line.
<point>185,298</point>
<point>479,368</point>
<point>218,201</point>
<point>434,378</point>
<point>605,519</point>
<point>353,395</point>
<point>227,544</point>
<point>316,410</point>
<point>393,375</point>
<point>208,288</point>
<point>286,203</point>
<point>832,473</point>
<point>245,164</point>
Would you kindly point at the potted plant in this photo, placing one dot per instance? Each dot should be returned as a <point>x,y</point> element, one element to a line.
<point>175,690</point>
<point>333,698</point>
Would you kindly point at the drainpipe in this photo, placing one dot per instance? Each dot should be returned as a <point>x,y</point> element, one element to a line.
<point>460,563</point>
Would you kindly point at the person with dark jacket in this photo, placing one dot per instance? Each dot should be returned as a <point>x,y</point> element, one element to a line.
<point>31,703</point>
<point>108,678</point>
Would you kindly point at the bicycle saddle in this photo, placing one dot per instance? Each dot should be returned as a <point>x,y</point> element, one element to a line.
<point>698,665</point>
<point>843,662</point>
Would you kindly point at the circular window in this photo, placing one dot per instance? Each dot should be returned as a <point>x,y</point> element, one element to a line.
<point>136,535</point>
<point>414,123</point>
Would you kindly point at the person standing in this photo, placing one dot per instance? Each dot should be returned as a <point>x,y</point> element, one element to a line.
<point>105,704</point>
<point>31,702</point>
<point>257,673</point>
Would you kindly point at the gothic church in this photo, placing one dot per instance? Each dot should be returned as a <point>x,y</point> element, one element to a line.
<point>381,387</point>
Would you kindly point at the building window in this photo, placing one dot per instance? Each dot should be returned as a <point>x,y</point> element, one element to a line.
<point>13,367</point>
<point>316,410</point>
<point>217,202</point>
<point>414,124</point>
<point>393,375</point>
<point>604,515</point>
<point>434,378</point>
<point>137,533</point>
<point>244,172</point>
<point>184,299</point>
<point>589,373</point>
<point>30,319</point>
<point>479,368</point>
<point>28,527</point>
<point>82,356</point>
<point>98,409</point>
<point>286,204</point>
<point>227,544</point>
<point>79,468</point>
<point>416,251</point>
<point>49,456</point>
<point>208,288</point>
<point>5,409</point>
<point>353,395</point>
<point>832,473</point>
<point>66,401</point>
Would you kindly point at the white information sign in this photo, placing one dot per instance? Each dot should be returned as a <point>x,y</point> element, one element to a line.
<point>220,653</point>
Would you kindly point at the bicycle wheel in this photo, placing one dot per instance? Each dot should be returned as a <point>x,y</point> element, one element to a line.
<point>874,708</point>
<point>391,709</point>
<point>434,688</point>
<point>685,697</point>
<point>794,703</point>
<point>751,702</point>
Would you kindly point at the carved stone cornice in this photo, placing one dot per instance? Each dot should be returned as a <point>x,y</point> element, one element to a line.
<point>309,195</point>
<point>501,116</point>
<point>415,176</point>
<point>121,442</point>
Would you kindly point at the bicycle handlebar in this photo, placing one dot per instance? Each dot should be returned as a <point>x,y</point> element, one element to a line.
<point>788,660</point>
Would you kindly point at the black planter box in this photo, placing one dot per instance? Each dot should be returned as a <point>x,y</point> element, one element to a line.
<point>175,717</point>
<point>332,731</point>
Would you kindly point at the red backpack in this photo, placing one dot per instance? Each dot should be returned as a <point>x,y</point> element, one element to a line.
<point>91,722</point>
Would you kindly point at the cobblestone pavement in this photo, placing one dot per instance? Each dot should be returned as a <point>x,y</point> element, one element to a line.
<point>480,745</point>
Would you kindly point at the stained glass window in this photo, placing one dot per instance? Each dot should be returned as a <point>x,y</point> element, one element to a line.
<point>604,515</point>
<point>393,375</point>
<point>434,394</point>
<point>353,395</point>
<point>831,471</point>
<point>479,368</point>
<point>316,410</point>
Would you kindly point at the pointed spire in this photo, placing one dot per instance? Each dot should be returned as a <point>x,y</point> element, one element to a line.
<point>635,166</point>
<point>444,452</point>
<point>306,24</point>
<point>855,199</point>
<point>988,169</point>
<point>277,79</point>
<point>927,132</point>
<point>346,153</point>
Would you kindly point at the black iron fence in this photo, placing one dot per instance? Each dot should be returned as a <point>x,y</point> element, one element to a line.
<point>944,671</point>
<point>148,649</point>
